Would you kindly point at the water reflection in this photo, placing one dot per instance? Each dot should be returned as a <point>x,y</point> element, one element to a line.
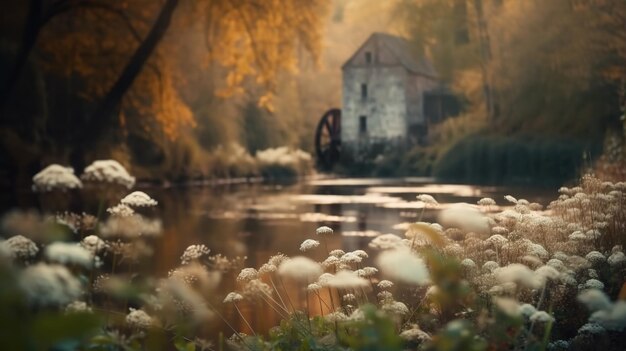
<point>258,221</point>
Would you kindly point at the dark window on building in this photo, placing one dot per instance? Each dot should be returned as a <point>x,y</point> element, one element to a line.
<point>363,124</point>
<point>368,57</point>
<point>363,91</point>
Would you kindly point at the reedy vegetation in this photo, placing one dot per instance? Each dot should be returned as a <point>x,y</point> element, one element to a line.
<point>488,277</point>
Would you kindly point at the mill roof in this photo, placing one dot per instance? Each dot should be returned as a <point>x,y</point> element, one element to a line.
<point>401,49</point>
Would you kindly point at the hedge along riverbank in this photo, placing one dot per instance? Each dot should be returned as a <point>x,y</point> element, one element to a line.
<point>481,159</point>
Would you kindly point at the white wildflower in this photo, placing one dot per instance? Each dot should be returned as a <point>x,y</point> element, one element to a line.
<point>233,297</point>
<point>611,319</point>
<point>300,268</point>
<point>56,177</point>
<point>138,319</point>
<point>395,308</point>
<point>367,272</point>
<point>313,287</point>
<point>466,218</point>
<point>547,273</point>
<point>324,230</point>
<point>21,247</point>
<point>350,257</point>
<point>592,328</point>
<point>593,284</point>
<point>518,273</point>
<point>577,235</point>
<point>403,265</point>
<point>337,253</point>
<point>194,252</point>
<point>542,317</point>
<point>415,334</point>
<point>385,284</point>
<point>247,274</point>
<point>617,259</point>
<point>121,210</point>
<point>595,300</point>
<point>78,307</point>
<point>360,253</point>
<point>93,244</point>
<point>490,266</point>
<point>527,310</point>
<point>309,244</point>
<point>510,199</point>
<point>49,285</point>
<point>336,317</point>
<point>427,199</point>
<point>108,171</point>
<point>138,199</point>
<point>386,242</point>
<point>468,264</point>
<point>346,280</point>
<point>507,305</point>
<point>348,298</point>
<point>69,253</point>
<point>595,257</point>
<point>331,261</point>
<point>497,240</point>
<point>486,201</point>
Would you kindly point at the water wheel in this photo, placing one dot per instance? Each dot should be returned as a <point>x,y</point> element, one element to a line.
<point>328,138</point>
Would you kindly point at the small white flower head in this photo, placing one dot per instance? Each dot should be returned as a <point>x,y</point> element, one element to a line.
<point>545,273</point>
<point>466,218</point>
<point>385,284</point>
<point>577,236</point>
<point>78,307</point>
<point>108,171</point>
<point>497,240</point>
<point>468,264</point>
<point>121,210</point>
<point>403,265</point>
<point>336,317</point>
<point>556,264</point>
<point>337,253</point>
<point>508,306</point>
<point>611,319</point>
<point>56,177</point>
<point>20,247</point>
<point>194,252</point>
<point>510,199</point>
<point>361,253</point>
<point>386,242</point>
<point>527,310</point>
<point>69,253</point>
<point>367,272</point>
<point>519,274</point>
<point>309,244</point>
<point>346,280</point>
<point>490,266</point>
<point>617,259</point>
<point>350,257</point>
<point>395,308</point>
<point>323,279</point>
<point>247,274</point>
<point>486,201</point>
<point>277,259</point>
<point>267,268</point>
<point>255,288</point>
<point>300,268</point>
<point>385,296</point>
<point>595,257</point>
<point>331,261</point>
<point>415,334</point>
<point>348,298</point>
<point>593,284</point>
<point>427,199</point>
<point>499,230</point>
<point>324,230</point>
<point>138,319</point>
<point>233,297</point>
<point>591,328</point>
<point>595,300</point>
<point>313,287</point>
<point>49,285</point>
<point>592,273</point>
<point>138,199</point>
<point>541,317</point>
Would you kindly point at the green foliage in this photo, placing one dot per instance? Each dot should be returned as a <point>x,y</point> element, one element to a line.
<point>458,335</point>
<point>375,332</point>
<point>496,160</point>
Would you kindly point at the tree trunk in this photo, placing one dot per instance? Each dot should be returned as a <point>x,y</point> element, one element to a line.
<point>106,113</point>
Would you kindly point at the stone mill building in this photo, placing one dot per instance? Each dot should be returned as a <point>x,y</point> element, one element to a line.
<point>390,95</point>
